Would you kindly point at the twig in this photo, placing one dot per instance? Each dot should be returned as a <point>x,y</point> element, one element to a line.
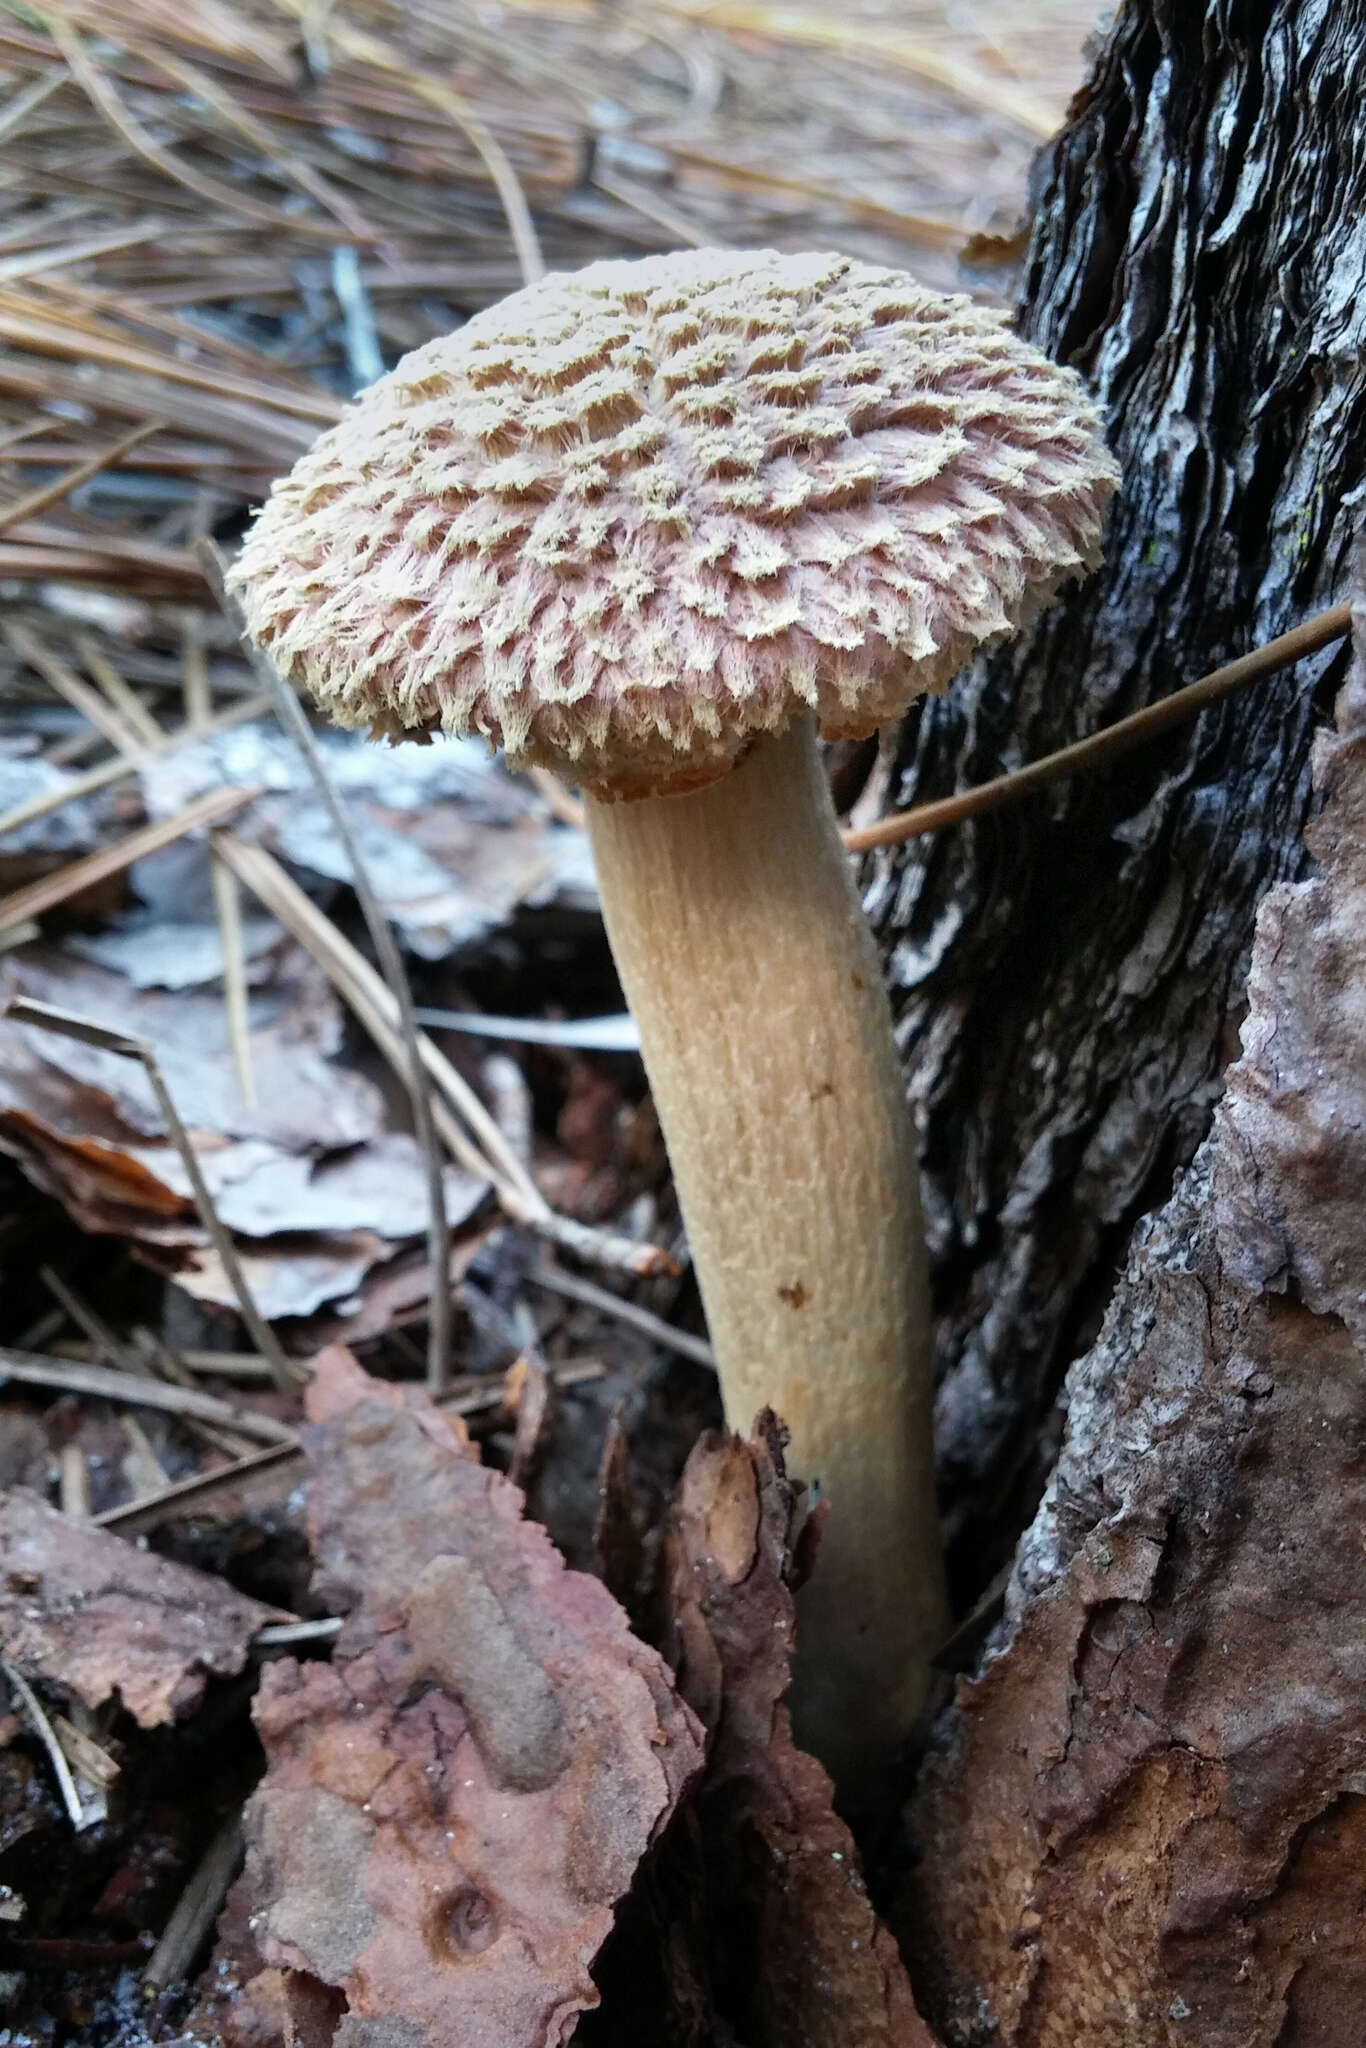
<point>42,1728</point>
<point>136,1516</point>
<point>196,1909</point>
<point>227,1365</point>
<point>43,895</point>
<point>44,1018</point>
<point>106,1345</point>
<point>292,717</point>
<point>103,1384</point>
<point>74,1483</point>
<point>1115,739</point>
<point>642,1319</point>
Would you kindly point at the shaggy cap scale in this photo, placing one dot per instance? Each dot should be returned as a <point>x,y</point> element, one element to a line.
<point>627,518</point>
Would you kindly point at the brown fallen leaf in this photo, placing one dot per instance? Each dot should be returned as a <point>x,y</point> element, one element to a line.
<point>794,1938</point>
<point>99,1617</point>
<point>454,1804</point>
<point>316,1191</point>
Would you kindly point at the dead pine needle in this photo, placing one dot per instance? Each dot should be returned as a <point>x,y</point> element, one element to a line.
<point>103,1383</point>
<point>1100,747</point>
<point>36,501</point>
<point>42,1728</point>
<point>110,772</point>
<point>291,715</point>
<point>36,898</point>
<point>467,1130</point>
<point>196,1909</point>
<point>228,910</point>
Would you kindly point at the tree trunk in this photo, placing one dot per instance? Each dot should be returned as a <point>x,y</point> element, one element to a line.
<point>1144,1822</point>
<point>1069,976</point>
<point>1147,1822</point>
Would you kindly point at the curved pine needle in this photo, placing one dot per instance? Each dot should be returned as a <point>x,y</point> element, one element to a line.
<point>1113,740</point>
<point>102,95</point>
<point>372,50</point>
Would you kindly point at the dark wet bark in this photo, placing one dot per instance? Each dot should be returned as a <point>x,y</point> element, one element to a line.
<point>1069,976</point>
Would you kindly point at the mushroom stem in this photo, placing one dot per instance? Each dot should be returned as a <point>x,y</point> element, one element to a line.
<point>748,963</point>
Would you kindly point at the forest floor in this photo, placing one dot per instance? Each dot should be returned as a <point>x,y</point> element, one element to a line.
<point>221,221</point>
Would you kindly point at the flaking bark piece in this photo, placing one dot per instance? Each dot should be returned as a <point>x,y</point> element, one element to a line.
<point>1145,1820</point>
<point>98,1617</point>
<point>792,1927</point>
<point>454,1804</point>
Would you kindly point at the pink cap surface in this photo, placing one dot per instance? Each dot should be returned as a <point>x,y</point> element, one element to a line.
<point>628,518</point>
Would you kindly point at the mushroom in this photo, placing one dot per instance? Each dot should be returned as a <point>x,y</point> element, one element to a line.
<point>656,525</point>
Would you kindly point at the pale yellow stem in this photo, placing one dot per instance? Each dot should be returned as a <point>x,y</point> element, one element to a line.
<point>751,971</point>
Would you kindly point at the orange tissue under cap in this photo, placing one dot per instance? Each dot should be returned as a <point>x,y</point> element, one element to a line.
<point>629,517</point>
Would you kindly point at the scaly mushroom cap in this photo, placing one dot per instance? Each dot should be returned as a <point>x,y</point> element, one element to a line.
<point>627,518</point>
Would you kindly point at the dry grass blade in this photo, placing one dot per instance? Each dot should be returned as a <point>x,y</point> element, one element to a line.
<point>43,1017</point>
<point>1114,740</point>
<point>36,898</point>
